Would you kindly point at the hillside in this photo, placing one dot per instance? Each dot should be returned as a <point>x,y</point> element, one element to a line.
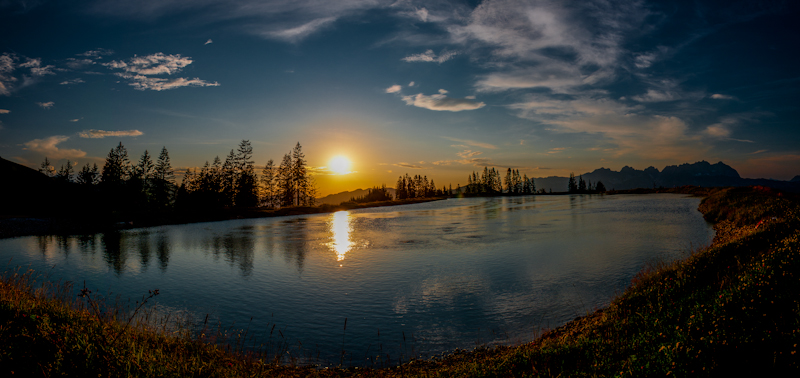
<point>335,199</point>
<point>24,190</point>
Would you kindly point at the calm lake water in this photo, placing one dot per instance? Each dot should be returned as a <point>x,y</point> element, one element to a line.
<point>413,280</point>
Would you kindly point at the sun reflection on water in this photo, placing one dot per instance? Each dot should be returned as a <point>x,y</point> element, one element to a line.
<point>340,228</point>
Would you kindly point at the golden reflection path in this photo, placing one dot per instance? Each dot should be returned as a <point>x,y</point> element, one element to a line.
<point>340,228</point>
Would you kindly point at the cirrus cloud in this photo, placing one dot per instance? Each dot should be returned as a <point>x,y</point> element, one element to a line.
<point>94,134</point>
<point>430,56</point>
<point>141,82</point>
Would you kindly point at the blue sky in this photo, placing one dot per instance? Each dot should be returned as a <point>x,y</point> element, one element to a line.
<point>438,88</point>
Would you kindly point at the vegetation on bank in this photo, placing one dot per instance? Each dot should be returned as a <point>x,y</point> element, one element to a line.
<point>732,308</point>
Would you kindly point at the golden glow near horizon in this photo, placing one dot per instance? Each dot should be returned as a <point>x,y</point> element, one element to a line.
<point>339,165</point>
<point>340,228</point>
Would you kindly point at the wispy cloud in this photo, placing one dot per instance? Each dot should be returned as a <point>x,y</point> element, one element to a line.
<point>49,147</point>
<point>154,64</point>
<point>73,81</point>
<point>35,65</point>
<point>422,13</point>
<point>94,134</point>
<point>472,143</point>
<point>209,42</point>
<point>97,53</point>
<point>717,96</point>
<point>6,69</point>
<point>286,20</point>
<point>77,64</point>
<point>46,105</point>
<point>4,111</point>
<point>441,102</point>
<point>9,64</point>
<point>139,71</point>
<point>654,95</point>
<point>394,89</point>
<point>430,56</point>
<point>471,161</point>
<point>140,82</point>
<point>466,154</point>
<point>407,165</point>
<point>300,32</point>
<point>621,126</point>
<point>547,44</point>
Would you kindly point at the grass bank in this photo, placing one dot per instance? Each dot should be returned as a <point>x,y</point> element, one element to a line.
<point>730,309</point>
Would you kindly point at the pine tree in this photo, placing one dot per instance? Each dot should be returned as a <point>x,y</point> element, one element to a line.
<point>47,169</point>
<point>269,186</point>
<point>599,187</point>
<point>400,188</point>
<point>65,173</point>
<point>581,185</point>
<point>285,181</point>
<point>88,175</point>
<point>571,185</point>
<point>163,181</point>
<point>247,180</point>
<point>300,179</point>
<point>117,167</point>
<point>229,179</point>
<point>411,187</point>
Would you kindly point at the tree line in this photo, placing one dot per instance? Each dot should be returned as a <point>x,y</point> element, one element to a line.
<point>418,187</point>
<point>583,187</point>
<point>489,183</point>
<point>235,183</point>
<point>149,185</point>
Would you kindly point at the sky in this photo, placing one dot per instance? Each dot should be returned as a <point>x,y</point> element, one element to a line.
<point>435,88</point>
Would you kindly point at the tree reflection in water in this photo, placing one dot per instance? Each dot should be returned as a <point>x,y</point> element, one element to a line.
<point>113,250</point>
<point>294,240</point>
<point>236,247</point>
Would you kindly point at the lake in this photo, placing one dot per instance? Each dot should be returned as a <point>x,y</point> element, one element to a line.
<point>410,281</point>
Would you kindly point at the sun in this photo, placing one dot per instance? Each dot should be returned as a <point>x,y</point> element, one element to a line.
<point>339,165</point>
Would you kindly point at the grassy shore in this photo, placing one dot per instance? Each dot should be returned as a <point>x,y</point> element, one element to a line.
<point>730,309</point>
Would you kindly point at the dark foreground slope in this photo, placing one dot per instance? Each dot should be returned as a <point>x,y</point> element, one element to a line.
<point>730,309</point>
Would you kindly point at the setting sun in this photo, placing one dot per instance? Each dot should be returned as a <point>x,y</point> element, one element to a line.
<point>339,165</point>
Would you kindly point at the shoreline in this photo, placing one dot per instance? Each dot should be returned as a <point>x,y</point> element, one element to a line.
<point>28,225</point>
<point>12,227</point>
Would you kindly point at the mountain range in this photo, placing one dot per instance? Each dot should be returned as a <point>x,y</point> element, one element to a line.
<point>701,173</point>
